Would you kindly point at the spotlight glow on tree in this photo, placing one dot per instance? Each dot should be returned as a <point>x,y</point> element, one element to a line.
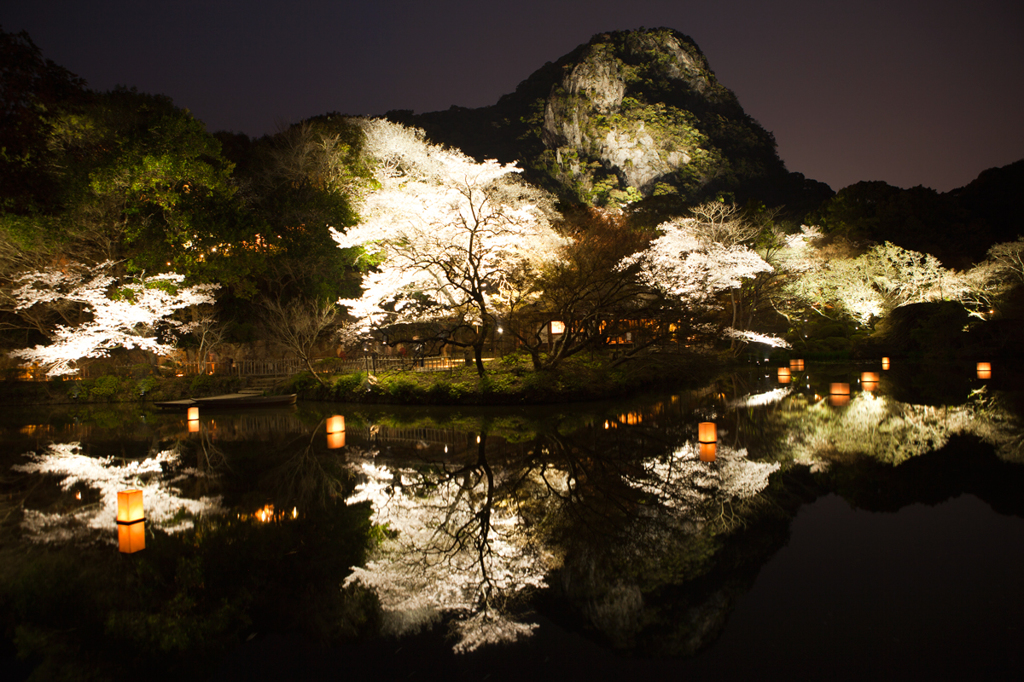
<point>446,235</point>
<point>117,312</point>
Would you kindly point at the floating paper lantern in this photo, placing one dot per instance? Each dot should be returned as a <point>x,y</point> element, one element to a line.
<point>336,424</point>
<point>984,370</point>
<point>131,537</point>
<point>839,394</point>
<point>129,506</point>
<point>707,432</point>
<point>885,363</point>
<point>131,533</point>
<point>796,365</point>
<point>707,452</point>
<point>193,413</point>
<point>869,381</point>
<point>784,375</point>
<point>335,440</point>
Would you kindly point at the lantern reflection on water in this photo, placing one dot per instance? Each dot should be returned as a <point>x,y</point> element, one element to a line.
<point>869,381</point>
<point>796,365</point>
<point>885,363</point>
<point>131,537</point>
<point>193,420</point>
<point>131,531</point>
<point>784,375</point>
<point>335,432</point>
<point>984,370</point>
<point>707,452</point>
<point>839,394</point>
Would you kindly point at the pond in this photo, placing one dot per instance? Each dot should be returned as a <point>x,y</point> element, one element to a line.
<point>844,522</point>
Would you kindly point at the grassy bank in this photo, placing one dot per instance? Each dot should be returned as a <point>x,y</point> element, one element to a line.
<point>510,380</point>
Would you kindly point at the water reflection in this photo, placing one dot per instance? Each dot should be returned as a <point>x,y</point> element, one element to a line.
<point>618,512</point>
<point>159,477</point>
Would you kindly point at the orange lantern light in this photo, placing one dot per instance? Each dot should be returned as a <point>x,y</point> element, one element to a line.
<point>193,413</point>
<point>131,537</point>
<point>796,365</point>
<point>129,506</point>
<point>839,394</point>
<point>193,426</point>
<point>707,452</point>
<point>131,532</point>
<point>984,370</point>
<point>885,363</point>
<point>784,375</point>
<point>557,327</point>
<point>707,432</point>
<point>335,440</point>
<point>336,424</point>
<point>869,381</point>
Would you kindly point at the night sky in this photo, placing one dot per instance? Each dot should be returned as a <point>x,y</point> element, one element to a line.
<point>909,92</point>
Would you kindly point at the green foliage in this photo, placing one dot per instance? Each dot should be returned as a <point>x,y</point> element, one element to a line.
<point>105,387</point>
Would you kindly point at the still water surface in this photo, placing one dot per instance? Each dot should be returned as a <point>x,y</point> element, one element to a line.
<point>823,537</point>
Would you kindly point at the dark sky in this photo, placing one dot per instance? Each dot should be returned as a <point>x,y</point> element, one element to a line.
<point>911,92</point>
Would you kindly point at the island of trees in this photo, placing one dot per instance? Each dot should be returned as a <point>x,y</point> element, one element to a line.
<point>658,229</point>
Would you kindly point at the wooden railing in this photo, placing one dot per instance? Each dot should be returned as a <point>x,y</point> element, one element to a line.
<point>255,368</point>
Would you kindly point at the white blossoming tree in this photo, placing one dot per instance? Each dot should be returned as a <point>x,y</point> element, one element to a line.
<point>694,261</point>
<point>446,235</point>
<point>113,312</point>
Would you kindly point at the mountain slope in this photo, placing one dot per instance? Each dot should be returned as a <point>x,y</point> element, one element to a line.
<point>630,114</point>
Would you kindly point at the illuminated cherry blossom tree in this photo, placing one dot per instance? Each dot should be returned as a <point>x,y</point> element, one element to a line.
<point>695,261</point>
<point>115,312</point>
<point>446,234</point>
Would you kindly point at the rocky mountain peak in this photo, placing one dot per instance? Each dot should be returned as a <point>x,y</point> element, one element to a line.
<point>628,115</point>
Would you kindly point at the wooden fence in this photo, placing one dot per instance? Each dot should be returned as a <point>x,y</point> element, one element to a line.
<point>263,368</point>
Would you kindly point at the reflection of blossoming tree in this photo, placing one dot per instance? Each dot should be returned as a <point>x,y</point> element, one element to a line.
<point>155,476</point>
<point>455,544</point>
<point>892,431</point>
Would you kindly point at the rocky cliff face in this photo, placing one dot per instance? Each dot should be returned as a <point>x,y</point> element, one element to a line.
<point>630,114</point>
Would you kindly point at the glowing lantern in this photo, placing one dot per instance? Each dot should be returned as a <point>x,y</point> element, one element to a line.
<point>129,506</point>
<point>336,424</point>
<point>131,532</point>
<point>885,363</point>
<point>131,537</point>
<point>707,452</point>
<point>796,365</point>
<point>784,375</point>
<point>335,440</point>
<point>869,381</point>
<point>839,394</point>
<point>193,413</point>
<point>707,432</point>
<point>557,327</point>
<point>984,370</point>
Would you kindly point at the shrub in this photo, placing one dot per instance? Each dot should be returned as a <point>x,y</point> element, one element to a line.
<point>347,385</point>
<point>105,387</point>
